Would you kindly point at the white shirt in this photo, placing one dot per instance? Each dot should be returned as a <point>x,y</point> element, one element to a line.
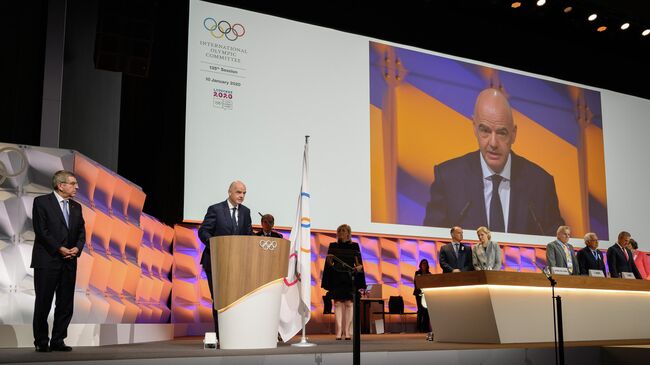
<point>230,206</point>
<point>504,188</point>
<point>60,200</point>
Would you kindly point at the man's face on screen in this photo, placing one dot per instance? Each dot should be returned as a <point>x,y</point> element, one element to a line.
<point>494,129</point>
<point>237,193</point>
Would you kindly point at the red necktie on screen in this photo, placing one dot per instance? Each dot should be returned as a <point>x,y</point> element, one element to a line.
<point>627,258</point>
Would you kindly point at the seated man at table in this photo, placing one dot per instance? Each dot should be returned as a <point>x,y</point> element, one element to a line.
<point>454,256</point>
<point>267,222</point>
<point>589,258</point>
<point>560,253</point>
<point>620,259</point>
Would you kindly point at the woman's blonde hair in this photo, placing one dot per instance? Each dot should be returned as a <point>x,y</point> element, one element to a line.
<point>484,230</point>
<point>344,229</point>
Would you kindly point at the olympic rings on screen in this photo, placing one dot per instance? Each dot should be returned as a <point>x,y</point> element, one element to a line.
<point>268,245</point>
<point>223,29</point>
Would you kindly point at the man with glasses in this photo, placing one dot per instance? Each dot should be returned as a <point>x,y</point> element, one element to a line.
<point>60,236</point>
<point>493,186</point>
<point>589,258</point>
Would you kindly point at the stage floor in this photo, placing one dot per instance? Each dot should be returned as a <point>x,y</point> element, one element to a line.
<point>376,349</point>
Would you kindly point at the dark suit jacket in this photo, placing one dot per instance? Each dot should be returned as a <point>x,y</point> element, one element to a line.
<point>273,234</point>
<point>449,262</point>
<point>52,233</point>
<point>218,222</point>
<point>457,196</point>
<point>618,264</point>
<point>588,262</point>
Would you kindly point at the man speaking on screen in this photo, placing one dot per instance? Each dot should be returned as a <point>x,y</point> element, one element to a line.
<point>494,186</point>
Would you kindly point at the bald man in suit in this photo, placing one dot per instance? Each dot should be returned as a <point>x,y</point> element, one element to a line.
<point>228,218</point>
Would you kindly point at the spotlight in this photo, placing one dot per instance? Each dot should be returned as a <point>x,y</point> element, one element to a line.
<point>592,17</point>
<point>515,4</point>
<point>541,2</point>
<point>625,26</point>
<point>645,32</point>
<point>602,28</point>
<point>568,9</point>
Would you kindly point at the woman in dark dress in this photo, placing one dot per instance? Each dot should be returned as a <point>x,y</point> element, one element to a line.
<point>338,282</point>
<point>422,323</point>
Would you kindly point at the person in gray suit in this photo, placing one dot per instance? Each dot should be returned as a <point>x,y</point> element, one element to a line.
<point>560,253</point>
<point>486,255</point>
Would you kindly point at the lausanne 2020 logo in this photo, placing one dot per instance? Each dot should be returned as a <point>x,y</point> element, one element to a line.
<point>223,29</point>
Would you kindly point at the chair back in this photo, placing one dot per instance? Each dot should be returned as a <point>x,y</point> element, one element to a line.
<point>396,304</point>
<point>327,304</point>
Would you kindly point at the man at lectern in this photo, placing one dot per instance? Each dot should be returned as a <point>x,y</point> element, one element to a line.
<point>267,222</point>
<point>455,256</point>
<point>228,218</point>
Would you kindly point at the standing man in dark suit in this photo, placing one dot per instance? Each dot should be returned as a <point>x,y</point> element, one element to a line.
<point>454,256</point>
<point>228,218</point>
<point>619,257</point>
<point>60,237</point>
<point>493,187</point>
<point>589,258</point>
<point>267,227</point>
<point>560,253</point>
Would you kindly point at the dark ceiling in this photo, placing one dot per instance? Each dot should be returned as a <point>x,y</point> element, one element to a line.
<point>543,40</point>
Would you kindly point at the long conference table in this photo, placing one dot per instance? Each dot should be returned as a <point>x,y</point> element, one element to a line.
<point>514,307</point>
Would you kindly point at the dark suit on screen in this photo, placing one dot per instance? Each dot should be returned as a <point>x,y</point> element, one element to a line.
<point>449,261</point>
<point>457,197</point>
<point>618,264</point>
<point>52,273</point>
<point>218,222</point>
<point>587,261</point>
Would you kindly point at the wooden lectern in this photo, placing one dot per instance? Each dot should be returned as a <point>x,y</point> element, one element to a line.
<point>247,276</point>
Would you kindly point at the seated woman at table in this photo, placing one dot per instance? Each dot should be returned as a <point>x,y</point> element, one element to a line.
<point>486,255</point>
<point>341,256</point>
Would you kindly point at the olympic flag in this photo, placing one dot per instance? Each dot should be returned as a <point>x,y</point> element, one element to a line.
<point>295,308</point>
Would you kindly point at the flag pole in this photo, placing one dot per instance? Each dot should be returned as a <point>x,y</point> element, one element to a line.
<point>303,340</point>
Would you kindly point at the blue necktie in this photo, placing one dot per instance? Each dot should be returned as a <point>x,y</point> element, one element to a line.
<point>456,249</point>
<point>66,215</point>
<point>596,255</point>
<point>496,210</point>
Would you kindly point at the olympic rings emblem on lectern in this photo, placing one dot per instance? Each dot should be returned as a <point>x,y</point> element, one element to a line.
<point>220,29</point>
<point>268,245</point>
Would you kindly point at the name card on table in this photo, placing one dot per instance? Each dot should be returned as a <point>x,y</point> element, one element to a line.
<point>596,273</point>
<point>559,271</point>
<point>628,275</point>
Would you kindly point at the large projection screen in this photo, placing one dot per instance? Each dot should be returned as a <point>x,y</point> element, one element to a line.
<point>380,116</point>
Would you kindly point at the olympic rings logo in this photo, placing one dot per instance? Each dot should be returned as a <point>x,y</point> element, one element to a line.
<point>4,170</point>
<point>268,245</point>
<point>223,29</point>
